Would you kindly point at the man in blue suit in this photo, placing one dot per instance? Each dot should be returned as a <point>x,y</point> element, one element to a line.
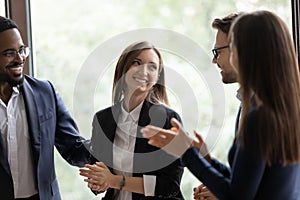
<point>33,119</point>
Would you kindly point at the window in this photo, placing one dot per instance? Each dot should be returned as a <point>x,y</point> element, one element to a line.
<point>67,34</point>
<point>2,8</point>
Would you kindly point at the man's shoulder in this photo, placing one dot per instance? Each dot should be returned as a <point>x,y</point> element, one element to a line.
<point>35,83</point>
<point>33,80</point>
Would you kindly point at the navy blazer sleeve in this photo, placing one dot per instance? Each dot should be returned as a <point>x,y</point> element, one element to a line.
<point>246,174</point>
<point>67,139</point>
<point>225,170</point>
<point>55,124</point>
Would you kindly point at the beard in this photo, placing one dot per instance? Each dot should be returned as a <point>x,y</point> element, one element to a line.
<point>12,79</point>
<point>15,82</point>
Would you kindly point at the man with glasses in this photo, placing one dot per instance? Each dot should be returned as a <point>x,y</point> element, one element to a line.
<point>221,56</point>
<point>33,119</point>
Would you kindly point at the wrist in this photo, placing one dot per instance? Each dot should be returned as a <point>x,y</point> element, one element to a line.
<point>118,182</point>
<point>122,183</point>
<point>208,158</point>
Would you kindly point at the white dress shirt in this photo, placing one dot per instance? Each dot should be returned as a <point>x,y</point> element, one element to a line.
<point>123,150</point>
<point>16,143</point>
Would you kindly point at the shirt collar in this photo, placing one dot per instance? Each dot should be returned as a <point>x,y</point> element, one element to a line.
<point>238,94</point>
<point>16,90</point>
<point>134,114</point>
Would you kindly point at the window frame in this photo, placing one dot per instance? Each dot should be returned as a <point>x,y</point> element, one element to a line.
<point>296,26</point>
<point>19,11</point>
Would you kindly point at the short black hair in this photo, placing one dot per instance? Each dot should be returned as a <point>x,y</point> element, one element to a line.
<point>6,24</point>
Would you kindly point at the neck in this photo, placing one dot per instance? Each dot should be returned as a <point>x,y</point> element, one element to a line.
<point>132,101</point>
<point>5,92</point>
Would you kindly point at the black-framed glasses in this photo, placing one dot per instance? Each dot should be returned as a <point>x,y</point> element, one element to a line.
<point>11,54</point>
<point>215,51</point>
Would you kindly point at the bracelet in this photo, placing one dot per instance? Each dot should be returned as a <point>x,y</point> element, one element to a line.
<point>122,182</point>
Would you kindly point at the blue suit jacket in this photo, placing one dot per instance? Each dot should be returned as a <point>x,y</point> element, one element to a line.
<point>249,176</point>
<point>50,125</point>
<point>148,160</point>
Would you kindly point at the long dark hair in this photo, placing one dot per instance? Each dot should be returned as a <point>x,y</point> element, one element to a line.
<point>268,69</point>
<point>158,93</point>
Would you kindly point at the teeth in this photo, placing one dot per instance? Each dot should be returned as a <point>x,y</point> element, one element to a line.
<point>140,80</point>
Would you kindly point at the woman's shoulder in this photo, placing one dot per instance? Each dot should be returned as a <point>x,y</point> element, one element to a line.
<point>103,111</point>
<point>108,111</point>
<point>252,116</point>
<point>162,108</point>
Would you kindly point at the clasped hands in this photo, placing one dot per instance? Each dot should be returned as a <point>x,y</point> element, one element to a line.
<point>202,193</point>
<point>98,176</point>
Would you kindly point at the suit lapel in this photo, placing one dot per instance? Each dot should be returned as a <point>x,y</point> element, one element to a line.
<point>108,124</point>
<point>144,120</point>
<point>32,117</point>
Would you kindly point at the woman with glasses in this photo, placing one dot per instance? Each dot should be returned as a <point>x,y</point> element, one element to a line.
<point>128,165</point>
<point>265,157</point>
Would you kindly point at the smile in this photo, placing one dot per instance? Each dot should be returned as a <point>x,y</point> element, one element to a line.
<point>140,80</point>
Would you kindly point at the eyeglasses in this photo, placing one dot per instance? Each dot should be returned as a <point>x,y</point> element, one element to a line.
<point>215,51</point>
<point>12,54</point>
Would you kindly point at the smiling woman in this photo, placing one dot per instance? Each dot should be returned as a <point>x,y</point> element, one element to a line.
<point>128,166</point>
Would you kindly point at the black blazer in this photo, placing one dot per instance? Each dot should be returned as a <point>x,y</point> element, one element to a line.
<point>148,160</point>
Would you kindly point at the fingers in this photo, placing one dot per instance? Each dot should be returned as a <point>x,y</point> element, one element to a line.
<point>98,188</point>
<point>197,190</point>
<point>199,137</point>
<point>98,166</point>
<point>161,139</point>
<point>204,193</point>
<point>175,123</point>
<point>96,176</point>
<point>150,131</point>
<point>93,173</point>
<point>157,136</point>
<point>101,165</point>
<point>174,141</point>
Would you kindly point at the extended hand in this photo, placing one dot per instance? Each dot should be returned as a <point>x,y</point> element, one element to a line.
<point>201,146</point>
<point>174,141</point>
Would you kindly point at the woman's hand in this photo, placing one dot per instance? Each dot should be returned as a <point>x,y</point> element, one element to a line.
<point>201,146</point>
<point>97,176</point>
<point>174,141</point>
<point>202,193</point>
